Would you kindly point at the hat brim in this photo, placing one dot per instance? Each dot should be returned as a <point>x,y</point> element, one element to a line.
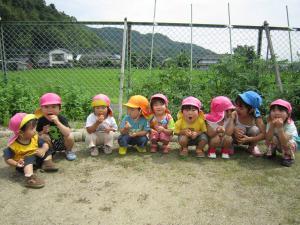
<point>51,103</point>
<point>192,104</point>
<point>131,105</point>
<point>12,139</point>
<point>215,117</point>
<point>99,103</point>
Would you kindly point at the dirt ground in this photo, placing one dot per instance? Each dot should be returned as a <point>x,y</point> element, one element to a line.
<point>154,189</point>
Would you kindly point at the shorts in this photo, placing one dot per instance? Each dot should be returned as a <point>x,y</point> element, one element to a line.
<point>200,137</point>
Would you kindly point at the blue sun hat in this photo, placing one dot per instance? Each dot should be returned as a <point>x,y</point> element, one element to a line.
<point>253,99</point>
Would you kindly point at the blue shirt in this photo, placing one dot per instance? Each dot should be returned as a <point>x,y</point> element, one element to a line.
<point>136,125</point>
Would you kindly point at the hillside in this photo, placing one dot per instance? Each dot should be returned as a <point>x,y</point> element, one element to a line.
<point>141,43</point>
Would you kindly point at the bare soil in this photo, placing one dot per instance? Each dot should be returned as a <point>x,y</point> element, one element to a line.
<point>154,189</point>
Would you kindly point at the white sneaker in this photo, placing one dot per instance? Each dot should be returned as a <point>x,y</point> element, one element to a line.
<point>212,155</point>
<point>94,151</point>
<point>225,156</point>
<point>107,149</point>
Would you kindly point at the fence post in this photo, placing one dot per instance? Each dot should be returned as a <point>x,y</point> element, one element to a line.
<point>122,74</point>
<point>259,41</point>
<point>273,57</point>
<point>230,41</point>
<point>3,58</point>
<point>289,32</point>
<point>129,57</point>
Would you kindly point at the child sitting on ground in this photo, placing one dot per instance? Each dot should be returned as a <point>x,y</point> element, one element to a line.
<point>220,126</point>
<point>134,126</point>
<point>26,151</point>
<point>249,125</point>
<point>190,127</point>
<point>281,132</point>
<point>100,126</point>
<point>53,127</point>
<point>161,124</point>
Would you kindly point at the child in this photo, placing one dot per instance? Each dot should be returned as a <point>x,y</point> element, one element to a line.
<point>53,127</point>
<point>220,126</point>
<point>26,151</point>
<point>281,132</point>
<point>100,125</point>
<point>134,126</point>
<point>191,127</point>
<point>249,126</point>
<point>161,124</point>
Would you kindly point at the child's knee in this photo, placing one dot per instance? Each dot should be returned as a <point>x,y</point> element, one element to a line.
<point>253,131</point>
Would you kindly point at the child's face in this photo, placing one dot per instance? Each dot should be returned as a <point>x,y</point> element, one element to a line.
<point>29,132</point>
<point>134,113</point>
<point>278,112</point>
<point>159,108</point>
<point>242,110</point>
<point>49,110</point>
<point>190,114</point>
<point>100,110</point>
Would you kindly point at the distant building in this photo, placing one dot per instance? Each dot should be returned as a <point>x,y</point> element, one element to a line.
<point>205,63</point>
<point>18,64</point>
<point>60,57</point>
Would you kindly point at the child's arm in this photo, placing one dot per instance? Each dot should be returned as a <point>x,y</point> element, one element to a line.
<point>229,129</point>
<point>211,132</point>
<point>261,136</point>
<point>66,131</point>
<point>139,133</point>
<point>126,128</point>
<point>94,127</point>
<point>270,132</point>
<point>41,151</point>
<point>8,155</point>
<point>282,135</point>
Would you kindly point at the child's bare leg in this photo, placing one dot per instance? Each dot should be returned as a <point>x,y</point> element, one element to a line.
<point>227,145</point>
<point>69,143</point>
<point>252,132</point>
<point>183,142</point>
<point>200,148</point>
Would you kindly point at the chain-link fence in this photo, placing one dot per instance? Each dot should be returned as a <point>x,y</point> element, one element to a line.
<point>88,55</point>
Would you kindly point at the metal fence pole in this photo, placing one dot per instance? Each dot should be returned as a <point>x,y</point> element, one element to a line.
<point>3,58</point>
<point>191,37</point>
<point>230,41</point>
<point>273,57</point>
<point>129,58</point>
<point>289,32</point>
<point>259,41</point>
<point>152,39</point>
<point>122,74</point>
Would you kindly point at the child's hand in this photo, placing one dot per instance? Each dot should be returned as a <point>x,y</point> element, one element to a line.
<point>220,131</point>
<point>133,134</point>
<point>239,132</point>
<point>46,129</point>
<point>160,129</point>
<point>277,122</point>
<point>54,118</point>
<point>20,163</point>
<point>153,131</point>
<point>188,133</point>
<point>40,152</point>
<point>127,125</point>
<point>194,134</point>
<point>231,114</point>
<point>244,139</point>
<point>100,118</point>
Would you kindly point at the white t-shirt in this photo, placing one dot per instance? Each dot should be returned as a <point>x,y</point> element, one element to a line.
<point>289,128</point>
<point>108,122</point>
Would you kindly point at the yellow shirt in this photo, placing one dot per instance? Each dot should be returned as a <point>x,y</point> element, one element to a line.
<point>20,150</point>
<point>198,125</point>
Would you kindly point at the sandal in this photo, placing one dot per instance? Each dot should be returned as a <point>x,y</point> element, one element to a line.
<point>70,155</point>
<point>153,148</point>
<point>165,149</point>
<point>200,153</point>
<point>34,182</point>
<point>255,151</point>
<point>183,152</point>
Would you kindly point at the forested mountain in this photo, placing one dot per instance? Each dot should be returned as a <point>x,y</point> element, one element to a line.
<point>31,10</point>
<point>35,40</point>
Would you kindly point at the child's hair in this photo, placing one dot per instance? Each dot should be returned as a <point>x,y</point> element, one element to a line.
<point>188,107</point>
<point>30,123</point>
<point>239,101</point>
<point>154,100</point>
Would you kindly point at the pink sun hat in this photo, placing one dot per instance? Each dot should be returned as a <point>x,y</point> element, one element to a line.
<point>285,104</point>
<point>47,99</point>
<point>16,123</point>
<point>102,100</point>
<point>192,101</point>
<point>218,106</point>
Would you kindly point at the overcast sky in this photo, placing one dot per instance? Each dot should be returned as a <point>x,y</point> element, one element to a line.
<point>243,12</point>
